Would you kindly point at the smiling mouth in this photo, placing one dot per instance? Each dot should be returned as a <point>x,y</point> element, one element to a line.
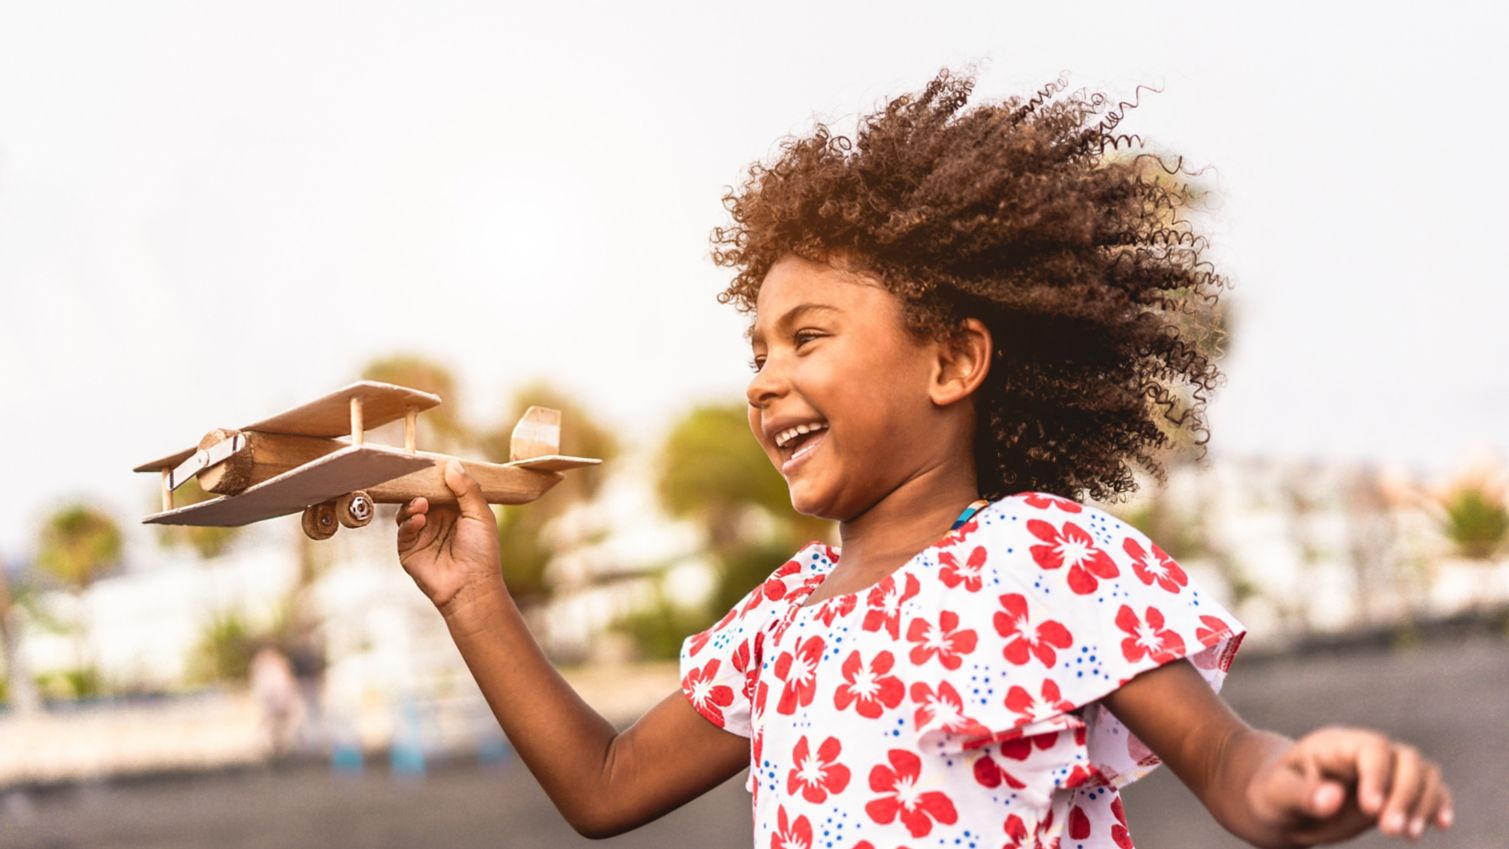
<point>797,449</point>
<point>790,441</point>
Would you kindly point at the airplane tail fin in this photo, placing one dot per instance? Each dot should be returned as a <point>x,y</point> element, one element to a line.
<point>537,434</point>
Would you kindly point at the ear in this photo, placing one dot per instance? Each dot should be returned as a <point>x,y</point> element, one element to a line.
<point>961,364</point>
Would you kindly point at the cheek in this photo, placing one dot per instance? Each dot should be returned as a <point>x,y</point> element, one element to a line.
<point>754,426</point>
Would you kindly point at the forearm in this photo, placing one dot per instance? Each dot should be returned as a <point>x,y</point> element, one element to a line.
<point>565,743</point>
<point>1229,795</point>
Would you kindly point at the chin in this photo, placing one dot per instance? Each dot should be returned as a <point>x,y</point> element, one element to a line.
<point>806,500</point>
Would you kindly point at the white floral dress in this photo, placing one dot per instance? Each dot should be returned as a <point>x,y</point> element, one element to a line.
<point>954,704</point>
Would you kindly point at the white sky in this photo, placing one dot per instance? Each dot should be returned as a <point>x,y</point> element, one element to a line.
<point>210,212</point>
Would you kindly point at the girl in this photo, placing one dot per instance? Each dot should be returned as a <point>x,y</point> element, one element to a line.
<point>955,326</point>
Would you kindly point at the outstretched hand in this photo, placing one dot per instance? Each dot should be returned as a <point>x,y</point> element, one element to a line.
<point>447,548</point>
<point>1335,783</point>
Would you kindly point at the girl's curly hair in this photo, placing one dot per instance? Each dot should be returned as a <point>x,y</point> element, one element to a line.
<point>1037,218</point>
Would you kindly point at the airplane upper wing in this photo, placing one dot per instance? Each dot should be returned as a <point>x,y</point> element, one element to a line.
<point>329,415</point>
<point>333,475</point>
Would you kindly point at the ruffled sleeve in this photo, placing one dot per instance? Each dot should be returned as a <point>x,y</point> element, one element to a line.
<point>719,665</point>
<point>1079,603</point>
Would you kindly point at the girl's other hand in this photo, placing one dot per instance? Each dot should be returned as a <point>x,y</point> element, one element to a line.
<point>451,547</point>
<point>1335,783</point>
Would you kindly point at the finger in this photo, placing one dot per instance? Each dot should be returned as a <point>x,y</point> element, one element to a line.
<point>1428,801</point>
<point>1299,790</point>
<point>468,492</point>
<point>409,530</point>
<point>1405,787</point>
<point>414,505</point>
<point>1374,757</point>
<point>1446,815</point>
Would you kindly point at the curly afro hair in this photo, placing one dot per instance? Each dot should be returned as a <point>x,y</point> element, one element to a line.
<point>1038,219</point>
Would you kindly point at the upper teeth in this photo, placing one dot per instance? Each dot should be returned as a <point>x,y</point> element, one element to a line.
<point>789,434</point>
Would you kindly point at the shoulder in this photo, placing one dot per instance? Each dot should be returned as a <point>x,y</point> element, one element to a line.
<point>1058,555</point>
<point>768,598</point>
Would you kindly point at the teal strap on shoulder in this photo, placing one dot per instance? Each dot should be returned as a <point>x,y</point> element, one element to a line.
<point>973,508</point>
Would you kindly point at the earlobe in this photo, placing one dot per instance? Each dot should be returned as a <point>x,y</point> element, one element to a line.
<point>962,363</point>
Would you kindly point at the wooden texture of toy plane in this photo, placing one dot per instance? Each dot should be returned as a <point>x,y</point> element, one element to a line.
<point>297,461</point>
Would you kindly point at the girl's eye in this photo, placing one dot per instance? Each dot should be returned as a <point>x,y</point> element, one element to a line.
<point>754,364</point>
<point>805,336</point>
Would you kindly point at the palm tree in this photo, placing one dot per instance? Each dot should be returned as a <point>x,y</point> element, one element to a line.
<point>78,544</point>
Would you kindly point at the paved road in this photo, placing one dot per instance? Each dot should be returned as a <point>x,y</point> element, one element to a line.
<point>1452,699</point>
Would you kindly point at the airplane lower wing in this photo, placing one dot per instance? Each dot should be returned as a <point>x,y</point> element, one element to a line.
<point>331,476</point>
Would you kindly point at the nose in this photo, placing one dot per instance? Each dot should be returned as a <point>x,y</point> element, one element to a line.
<point>766,384</point>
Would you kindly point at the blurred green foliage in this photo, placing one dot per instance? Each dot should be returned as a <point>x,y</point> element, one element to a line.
<point>441,428</point>
<point>206,541</point>
<point>78,543</point>
<point>713,472</point>
<point>223,652</point>
<point>1475,522</point>
<point>78,682</point>
<point>657,629</point>
<point>525,553</point>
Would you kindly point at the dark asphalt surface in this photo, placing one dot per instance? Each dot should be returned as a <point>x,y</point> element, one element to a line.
<point>1449,698</point>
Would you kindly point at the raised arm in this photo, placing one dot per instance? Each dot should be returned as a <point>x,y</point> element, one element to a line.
<point>603,782</point>
<point>1270,791</point>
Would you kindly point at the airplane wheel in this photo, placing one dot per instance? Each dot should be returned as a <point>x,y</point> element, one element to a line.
<point>319,520</point>
<point>355,509</point>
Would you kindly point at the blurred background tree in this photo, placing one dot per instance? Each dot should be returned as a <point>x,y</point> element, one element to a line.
<point>442,428</point>
<point>79,543</point>
<point>524,551</point>
<point>713,472</point>
<point>16,687</point>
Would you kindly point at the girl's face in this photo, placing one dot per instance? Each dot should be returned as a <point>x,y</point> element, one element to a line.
<point>835,359</point>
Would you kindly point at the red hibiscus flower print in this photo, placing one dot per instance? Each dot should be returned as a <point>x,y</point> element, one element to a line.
<point>1016,831</point>
<point>1157,566</point>
<point>1119,834</point>
<point>791,835</point>
<point>1210,629</point>
<point>708,697</point>
<point>897,784</point>
<point>830,609</point>
<point>819,775</point>
<point>1049,702</point>
<point>1044,500</point>
<point>1073,547</point>
<point>1079,823</point>
<point>948,642</point>
<point>699,641</point>
<point>885,602</point>
<point>943,708</point>
<point>774,587</point>
<point>960,534</point>
<point>799,670</point>
<point>1147,636</point>
<point>868,687</point>
<point>990,772</point>
<point>953,573</point>
<point>1026,637</point>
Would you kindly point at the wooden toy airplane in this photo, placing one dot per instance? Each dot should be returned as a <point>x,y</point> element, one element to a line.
<point>294,462</point>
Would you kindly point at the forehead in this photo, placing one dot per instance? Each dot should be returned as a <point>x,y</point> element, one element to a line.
<point>796,288</point>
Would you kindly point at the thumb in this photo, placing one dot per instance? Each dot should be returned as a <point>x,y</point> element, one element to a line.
<point>1301,790</point>
<point>468,492</point>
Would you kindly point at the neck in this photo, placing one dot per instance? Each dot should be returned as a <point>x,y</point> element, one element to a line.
<point>908,518</point>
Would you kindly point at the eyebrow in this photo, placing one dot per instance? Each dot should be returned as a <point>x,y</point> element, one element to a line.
<point>789,318</point>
